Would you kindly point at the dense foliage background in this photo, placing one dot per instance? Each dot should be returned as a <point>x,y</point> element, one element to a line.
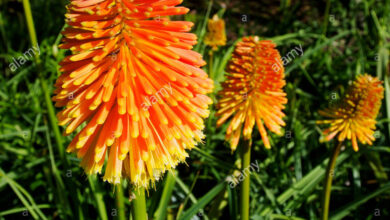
<point>39,181</point>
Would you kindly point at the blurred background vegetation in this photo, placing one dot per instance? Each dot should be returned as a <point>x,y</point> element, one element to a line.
<point>340,39</point>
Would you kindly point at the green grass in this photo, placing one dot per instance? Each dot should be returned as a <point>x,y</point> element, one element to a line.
<point>38,179</point>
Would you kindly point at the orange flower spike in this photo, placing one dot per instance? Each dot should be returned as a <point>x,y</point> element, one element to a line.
<point>253,91</point>
<point>134,82</point>
<point>354,117</point>
<point>216,35</point>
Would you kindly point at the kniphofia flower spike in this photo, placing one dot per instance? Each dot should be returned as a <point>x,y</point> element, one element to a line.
<point>133,85</point>
<point>253,91</point>
<point>354,117</point>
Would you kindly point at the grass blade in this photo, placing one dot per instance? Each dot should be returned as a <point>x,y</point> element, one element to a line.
<point>344,211</point>
<point>161,212</point>
<point>206,199</point>
<point>23,195</point>
<point>101,207</point>
<point>302,188</point>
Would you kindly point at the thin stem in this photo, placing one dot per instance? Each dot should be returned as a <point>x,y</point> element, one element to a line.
<point>165,197</point>
<point>53,120</point>
<point>120,205</point>
<point>326,18</point>
<point>245,185</point>
<point>212,95</point>
<point>30,24</point>
<point>211,56</point>
<point>328,180</point>
<point>45,90</point>
<point>139,205</point>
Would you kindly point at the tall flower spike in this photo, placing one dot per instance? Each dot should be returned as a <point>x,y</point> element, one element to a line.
<point>354,117</point>
<point>134,86</point>
<point>253,91</point>
<point>216,35</point>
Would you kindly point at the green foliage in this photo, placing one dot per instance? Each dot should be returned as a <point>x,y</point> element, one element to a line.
<point>42,182</point>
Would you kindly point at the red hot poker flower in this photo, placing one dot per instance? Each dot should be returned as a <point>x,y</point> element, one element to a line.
<point>133,86</point>
<point>253,91</point>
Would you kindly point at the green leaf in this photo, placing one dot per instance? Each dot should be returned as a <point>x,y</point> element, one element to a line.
<point>312,51</point>
<point>344,211</point>
<point>233,204</point>
<point>22,209</point>
<point>99,197</point>
<point>301,189</point>
<point>188,192</point>
<point>161,212</point>
<point>202,31</point>
<point>281,217</point>
<point>206,199</point>
<point>24,197</point>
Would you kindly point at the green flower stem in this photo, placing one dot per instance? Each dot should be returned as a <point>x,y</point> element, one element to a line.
<point>211,57</point>
<point>139,205</point>
<point>120,205</point>
<point>245,185</point>
<point>328,180</point>
<point>45,90</point>
<point>30,24</point>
